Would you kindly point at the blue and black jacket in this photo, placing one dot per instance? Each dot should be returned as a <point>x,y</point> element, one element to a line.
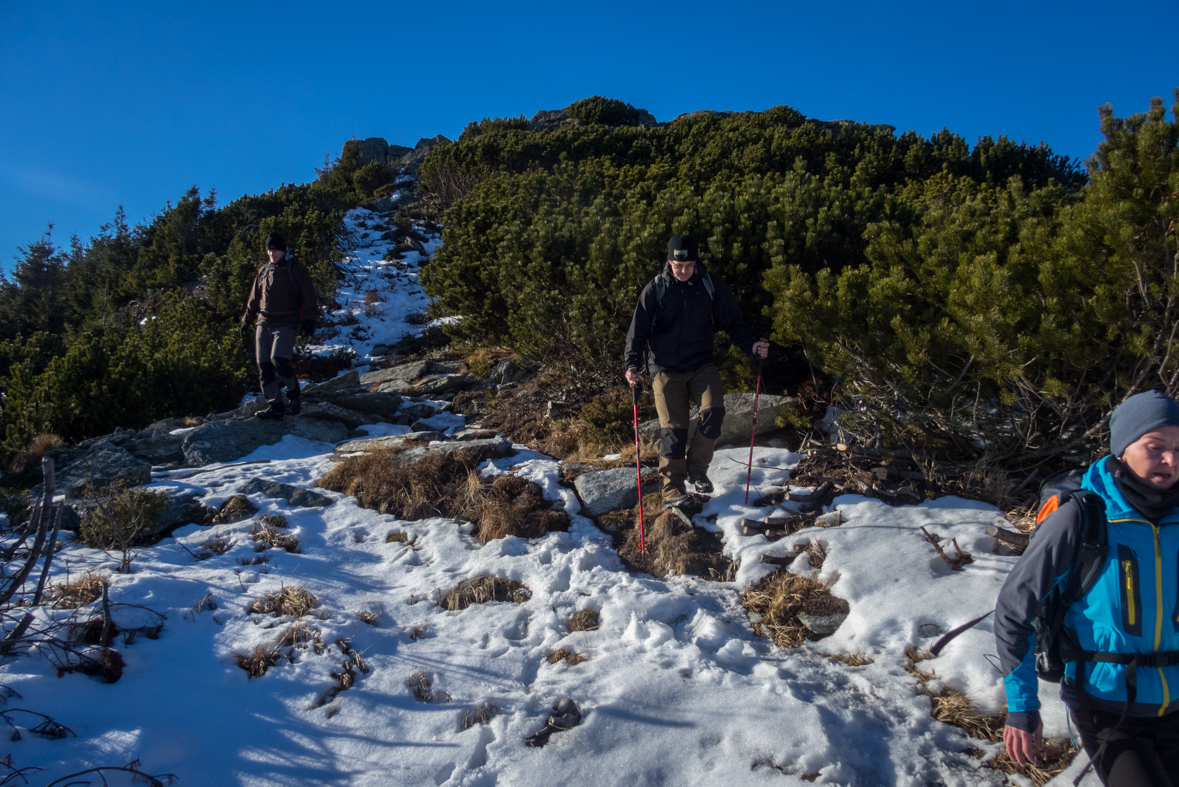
<point>1132,608</point>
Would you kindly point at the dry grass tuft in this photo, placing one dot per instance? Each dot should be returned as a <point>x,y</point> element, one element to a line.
<point>915,658</point>
<point>482,713</point>
<point>436,486</point>
<point>675,547</point>
<point>267,537</point>
<point>484,588</point>
<point>84,590</point>
<point>774,604</point>
<point>294,601</point>
<point>420,682</point>
<point>854,659</point>
<point>371,615</point>
<point>955,708</point>
<point>217,545</point>
<point>46,441</point>
<point>567,656</point>
<point>585,620</point>
<point>515,506</point>
<point>1053,761</point>
<point>396,538</point>
<point>235,509</point>
<point>273,520</point>
<point>257,661</point>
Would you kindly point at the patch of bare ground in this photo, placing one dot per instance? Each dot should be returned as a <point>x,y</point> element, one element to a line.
<point>674,546</point>
<point>775,603</point>
<point>481,589</point>
<point>294,601</point>
<point>952,707</point>
<point>447,487</point>
<point>585,620</point>
<point>567,656</point>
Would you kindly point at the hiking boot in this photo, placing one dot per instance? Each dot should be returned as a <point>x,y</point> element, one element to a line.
<point>675,498</point>
<point>293,406</point>
<point>272,413</point>
<point>702,483</point>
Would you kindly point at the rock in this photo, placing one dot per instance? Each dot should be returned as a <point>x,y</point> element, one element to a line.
<point>225,441</point>
<point>414,158</point>
<point>822,624</point>
<point>326,390</point>
<point>100,468</point>
<point>439,422</point>
<point>367,444</point>
<point>607,490</point>
<point>738,423</point>
<point>395,386</point>
<point>181,511</point>
<point>158,448</point>
<point>406,371</point>
<point>384,405</point>
<point>446,367</point>
<point>373,149</point>
<point>446,384</point>
<point>504,371</point>
<point>331,412</point>
<point>469,451</point>
<point>411,414</point>
<point>300,498</point>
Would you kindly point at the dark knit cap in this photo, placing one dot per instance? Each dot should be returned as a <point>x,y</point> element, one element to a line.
<point>683,248</point>
<point>1139,414</point>
<point>276,241</point>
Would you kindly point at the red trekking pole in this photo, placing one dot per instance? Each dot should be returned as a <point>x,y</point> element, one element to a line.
<point>637,389</point>
<point>752,437</point>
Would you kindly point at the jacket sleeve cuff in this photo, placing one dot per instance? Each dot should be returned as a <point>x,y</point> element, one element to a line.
<point>1026,720</point>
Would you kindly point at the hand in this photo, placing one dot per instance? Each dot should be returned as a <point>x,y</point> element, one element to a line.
<point>761,347</point>
<point>307,327</point>
<point>1023,747</point>
<point>633,377</point>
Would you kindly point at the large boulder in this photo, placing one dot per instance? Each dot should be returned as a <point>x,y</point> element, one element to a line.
<point>228,440</point>
<point>180,511</point>
<point>326,411</point>
<point>296,496</point>
<point>445,384</point>
<point>469,451</point>
<point>369,444</point>
<point>99,468</point>
<point>738,423</point>
<point>382,405</point>
<point>318,392</point>
<point>158,448</point>
<point>406,371</point>
<point>607,490</point>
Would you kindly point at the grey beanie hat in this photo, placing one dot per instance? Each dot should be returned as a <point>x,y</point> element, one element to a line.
<point>1138,415</point>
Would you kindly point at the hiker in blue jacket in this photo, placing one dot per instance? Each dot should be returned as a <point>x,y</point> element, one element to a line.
<point>1120,641</point>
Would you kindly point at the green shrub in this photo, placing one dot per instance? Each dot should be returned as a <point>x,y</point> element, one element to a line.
<point>605,111</point>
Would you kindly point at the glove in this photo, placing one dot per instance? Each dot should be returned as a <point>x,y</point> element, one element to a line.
<point>307,327</point>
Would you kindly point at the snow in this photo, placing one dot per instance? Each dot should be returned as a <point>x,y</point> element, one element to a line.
<point>677,689</point>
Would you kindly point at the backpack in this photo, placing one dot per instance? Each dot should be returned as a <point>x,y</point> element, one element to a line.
<point>661,290</point>
<point>1087,563</point>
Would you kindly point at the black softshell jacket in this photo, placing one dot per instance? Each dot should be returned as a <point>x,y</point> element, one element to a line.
<point>684,324</point>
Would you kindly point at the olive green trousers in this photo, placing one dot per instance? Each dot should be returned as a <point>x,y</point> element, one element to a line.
<point>675,393</point>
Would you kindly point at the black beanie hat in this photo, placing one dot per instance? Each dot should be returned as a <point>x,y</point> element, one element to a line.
<point>1139,414</point>
<point>276,241</point>
<point>683,248</point>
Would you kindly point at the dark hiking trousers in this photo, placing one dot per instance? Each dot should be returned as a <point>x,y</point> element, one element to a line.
<point>675,392</point>
<point>1139,752</point>
<point>275,346</point>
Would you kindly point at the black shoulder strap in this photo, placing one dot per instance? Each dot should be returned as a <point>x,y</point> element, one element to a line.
<point>1094,546</point>
<point>661,290</point>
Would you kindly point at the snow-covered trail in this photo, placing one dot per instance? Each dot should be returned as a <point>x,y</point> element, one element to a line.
<point>677,689</point>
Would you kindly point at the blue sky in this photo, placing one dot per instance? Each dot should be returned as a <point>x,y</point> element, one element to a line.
<point>130,103</point>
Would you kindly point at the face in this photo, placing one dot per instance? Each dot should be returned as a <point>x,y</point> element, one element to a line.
<point>682,270</point>
<point>275,254</point>
<point>1154,457</point>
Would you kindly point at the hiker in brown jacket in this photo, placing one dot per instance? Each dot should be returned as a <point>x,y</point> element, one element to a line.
<point>281,302</point>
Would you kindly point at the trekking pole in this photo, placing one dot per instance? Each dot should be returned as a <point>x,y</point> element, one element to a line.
<point>635,390</point>
<point>752,437</point>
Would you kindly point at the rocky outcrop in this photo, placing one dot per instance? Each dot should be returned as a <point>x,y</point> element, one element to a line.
<point>296,496</point>
<point>385,443</point>
<point>411,161</point>
<point>469,451</point>
<point>100,467</point>
<point>225,441</point>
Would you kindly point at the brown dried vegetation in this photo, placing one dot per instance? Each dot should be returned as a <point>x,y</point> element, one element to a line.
<point>84,590</point>
<point>779,598</point>
<point>585,620</point>
<point>484,588</point>
<point>676,547</point>
<point>267,537</point>
<point>235,509</point>
<point>568,656</point>
<point>515,506</point>
<point>294,601</point>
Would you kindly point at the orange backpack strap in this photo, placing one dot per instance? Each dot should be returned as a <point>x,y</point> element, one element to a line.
<point>1050,505</point>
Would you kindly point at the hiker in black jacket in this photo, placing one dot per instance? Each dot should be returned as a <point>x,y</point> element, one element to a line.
<point>673,326</point>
